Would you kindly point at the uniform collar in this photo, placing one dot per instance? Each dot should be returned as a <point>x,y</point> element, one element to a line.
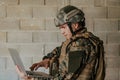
<point>80,33</point>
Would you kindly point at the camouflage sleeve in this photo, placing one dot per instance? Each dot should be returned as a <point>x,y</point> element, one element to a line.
<point>54,53</point>
<point>53,56</point>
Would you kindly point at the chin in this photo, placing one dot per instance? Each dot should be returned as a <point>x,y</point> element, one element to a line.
<point>67,38</point>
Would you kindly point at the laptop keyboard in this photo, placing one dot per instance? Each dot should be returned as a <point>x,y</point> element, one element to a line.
<point>39,75</point>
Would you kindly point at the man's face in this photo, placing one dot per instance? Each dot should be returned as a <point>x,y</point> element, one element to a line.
<point>65,31</point>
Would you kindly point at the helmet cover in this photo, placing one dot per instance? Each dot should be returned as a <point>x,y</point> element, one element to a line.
<point>69,14</point>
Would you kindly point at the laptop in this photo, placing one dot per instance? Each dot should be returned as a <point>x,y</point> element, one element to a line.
<point>17,61</point>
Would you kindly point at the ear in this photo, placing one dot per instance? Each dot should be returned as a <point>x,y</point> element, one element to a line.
<point>75,25</point>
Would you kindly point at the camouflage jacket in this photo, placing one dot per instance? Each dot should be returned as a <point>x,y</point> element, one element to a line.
<point>83,66</point>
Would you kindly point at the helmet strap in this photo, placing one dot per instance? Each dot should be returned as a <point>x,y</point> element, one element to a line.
<point>73,32</point>
<point>70,27</point>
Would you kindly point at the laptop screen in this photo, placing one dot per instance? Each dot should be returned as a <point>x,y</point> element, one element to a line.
<point>17,60</point>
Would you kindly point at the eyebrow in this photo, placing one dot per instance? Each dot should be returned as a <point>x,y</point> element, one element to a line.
<point>61,27</point>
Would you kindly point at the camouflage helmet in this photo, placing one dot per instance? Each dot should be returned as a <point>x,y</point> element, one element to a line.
<point>69,14</point>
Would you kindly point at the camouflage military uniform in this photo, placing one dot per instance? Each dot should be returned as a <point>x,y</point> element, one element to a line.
<point>84,43</point>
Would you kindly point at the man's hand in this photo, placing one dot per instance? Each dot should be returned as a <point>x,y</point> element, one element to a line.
<point>21,74</point>
<point>44,63</point>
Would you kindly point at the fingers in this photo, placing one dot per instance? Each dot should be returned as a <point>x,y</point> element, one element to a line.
<point>17,69</point>
<point>20,73</point>
<point>28,77</point>
<point>46,66</point>
<point>31,68</point>
<point>36,66</point>
<point>44,63</point>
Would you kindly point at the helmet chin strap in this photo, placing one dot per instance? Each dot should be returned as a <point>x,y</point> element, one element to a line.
<point>73,32</point>
<point>70,27</point>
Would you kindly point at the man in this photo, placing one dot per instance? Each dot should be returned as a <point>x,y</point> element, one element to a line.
<point>79,41</point>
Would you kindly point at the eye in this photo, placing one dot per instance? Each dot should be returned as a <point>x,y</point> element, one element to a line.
<point>62,27</point>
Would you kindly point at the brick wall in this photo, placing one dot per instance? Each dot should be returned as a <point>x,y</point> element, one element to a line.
<point>28,26</point>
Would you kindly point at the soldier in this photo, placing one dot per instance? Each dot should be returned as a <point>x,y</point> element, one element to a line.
<point>88,64</point>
